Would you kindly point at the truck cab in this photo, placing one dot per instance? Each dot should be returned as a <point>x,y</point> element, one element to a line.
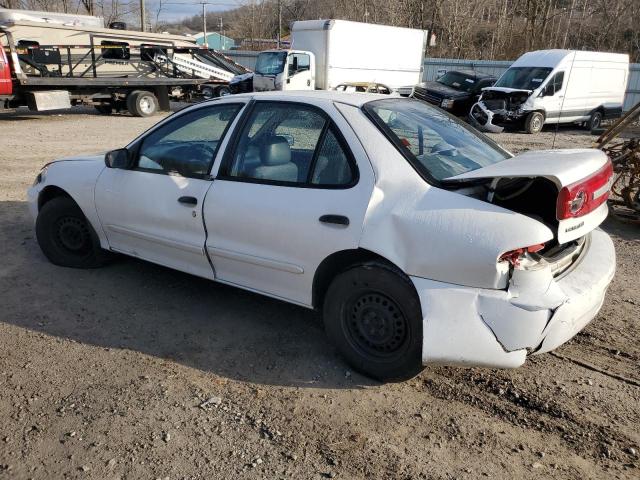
<point>285,70</point>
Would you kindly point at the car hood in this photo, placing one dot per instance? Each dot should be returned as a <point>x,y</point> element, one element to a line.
<point>506,90</point>
<point>92,157</point>
<point>443,90</point>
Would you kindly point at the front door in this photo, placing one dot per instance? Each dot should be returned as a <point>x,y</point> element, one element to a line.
<point>552,98</point>
<point>288,194</point>
<point>154,211</point>
<point>299,72</point>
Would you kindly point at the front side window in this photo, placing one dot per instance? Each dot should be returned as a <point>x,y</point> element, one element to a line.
<point>292,144</point>
<point>437,144</point>
<point>270,63</point>
<point>298,62</point>
<point>188,144</point>
<point>555,84</point>
<point>523,78</point>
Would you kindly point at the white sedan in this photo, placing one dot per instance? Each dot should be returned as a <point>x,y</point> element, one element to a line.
<point>421,240</point>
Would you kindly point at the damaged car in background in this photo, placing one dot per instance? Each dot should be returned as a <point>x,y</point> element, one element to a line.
<point>419,239</point>
<point>554,86</point>
<point>455,91</point>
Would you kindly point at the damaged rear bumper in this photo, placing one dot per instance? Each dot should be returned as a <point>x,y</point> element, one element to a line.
<point>499,328</point>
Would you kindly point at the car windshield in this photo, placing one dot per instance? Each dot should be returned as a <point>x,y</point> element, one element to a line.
<point>437,144</point>
<point>459,81</point>
<point>523,78</point>
<point>271,63</point>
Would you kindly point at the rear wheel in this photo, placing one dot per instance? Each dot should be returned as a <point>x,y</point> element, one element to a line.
<point>595,120</point>
<point>372,314</point>
<point>534,122</point>
<point>141,103</point>
<point>66,236</point>
<point>224,91</point>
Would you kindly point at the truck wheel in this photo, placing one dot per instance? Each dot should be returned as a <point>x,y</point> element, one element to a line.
<point>66,237</point>
<point>104,108</point>
<point>534,122</point>
<point>372,315</point>
<point>223,91</point>
<point>594,121</point>
<point>141,103</point>
<point>208,93</point>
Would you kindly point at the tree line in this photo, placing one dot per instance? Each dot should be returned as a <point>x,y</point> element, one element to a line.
<point>473,29</point>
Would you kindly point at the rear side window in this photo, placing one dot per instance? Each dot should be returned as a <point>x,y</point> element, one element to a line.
<point>291,144</point>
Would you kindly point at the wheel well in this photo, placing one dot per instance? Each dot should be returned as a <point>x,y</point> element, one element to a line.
<point>49,193</point>
<point>336,263</point>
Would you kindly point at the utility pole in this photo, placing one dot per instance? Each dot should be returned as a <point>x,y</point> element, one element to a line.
<point>279,23</point>
<point>143,15</point>
<point>204,23</point>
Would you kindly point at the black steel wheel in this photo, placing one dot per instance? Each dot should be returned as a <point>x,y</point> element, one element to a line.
<point>66,237</point>
<point>372,314</point>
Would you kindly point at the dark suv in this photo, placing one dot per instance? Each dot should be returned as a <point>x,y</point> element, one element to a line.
<point>455,91</point>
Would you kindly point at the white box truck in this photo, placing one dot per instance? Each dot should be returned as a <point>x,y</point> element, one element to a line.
<point>554,86</point>
<point>326,53</point>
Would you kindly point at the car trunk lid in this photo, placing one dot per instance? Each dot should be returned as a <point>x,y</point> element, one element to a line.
<point>582,177</point>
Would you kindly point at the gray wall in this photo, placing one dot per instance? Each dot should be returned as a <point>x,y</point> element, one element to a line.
<point>493,67</point>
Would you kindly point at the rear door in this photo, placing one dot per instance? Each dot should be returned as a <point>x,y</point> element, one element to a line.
<point>293,189</point>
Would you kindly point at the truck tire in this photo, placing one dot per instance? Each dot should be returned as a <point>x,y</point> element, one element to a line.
<point>595,120</point>
<point>223,91</point>
<point>66,237</point>
<point>534,122</point>
<point>141,103</point>
<point>372,315</point>
<point>208,92</point>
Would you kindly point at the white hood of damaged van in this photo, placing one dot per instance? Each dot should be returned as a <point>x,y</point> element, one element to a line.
<point>506,90</point>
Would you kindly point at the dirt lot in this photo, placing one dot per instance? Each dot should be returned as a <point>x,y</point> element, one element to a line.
<point>103,373</point>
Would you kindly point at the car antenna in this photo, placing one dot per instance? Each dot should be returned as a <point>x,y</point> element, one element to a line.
<point>553,144</point>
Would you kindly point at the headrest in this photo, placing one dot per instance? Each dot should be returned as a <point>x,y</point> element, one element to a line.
<point>275,151</point>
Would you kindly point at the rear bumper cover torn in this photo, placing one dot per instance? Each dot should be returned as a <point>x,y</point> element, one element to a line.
<point>536,314</point>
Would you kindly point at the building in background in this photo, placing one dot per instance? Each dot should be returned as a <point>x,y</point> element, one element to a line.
<point>215,40</point>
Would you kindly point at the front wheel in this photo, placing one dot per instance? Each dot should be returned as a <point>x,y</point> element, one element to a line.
<point>534,122</point>
<point>372,314</point>
<point>66,237</point>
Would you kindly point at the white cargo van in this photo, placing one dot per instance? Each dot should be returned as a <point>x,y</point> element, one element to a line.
<point>554,86</point>
<point>326,53</point>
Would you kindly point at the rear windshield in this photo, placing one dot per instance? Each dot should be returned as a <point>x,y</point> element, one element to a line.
<point>437,144</point>
<point>523,78</point>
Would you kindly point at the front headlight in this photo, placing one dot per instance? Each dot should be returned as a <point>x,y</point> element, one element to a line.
<point>41,177</point>
<point>446,103</point>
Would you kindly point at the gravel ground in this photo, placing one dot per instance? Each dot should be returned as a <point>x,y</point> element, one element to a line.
<point>136,371</point>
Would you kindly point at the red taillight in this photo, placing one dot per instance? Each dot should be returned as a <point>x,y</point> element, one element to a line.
<point>514,256</point>
<point>585,196</point>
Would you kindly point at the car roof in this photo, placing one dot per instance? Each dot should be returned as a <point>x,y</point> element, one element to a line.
<point>355,99</point>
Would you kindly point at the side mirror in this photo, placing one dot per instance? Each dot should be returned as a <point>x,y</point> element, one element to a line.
<point>120,158</point>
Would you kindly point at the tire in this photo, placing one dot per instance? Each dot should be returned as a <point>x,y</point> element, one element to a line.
<point>66,237</point>
<point>141,103</point>
<point>372,315</point>
<point>534,122</point>
<point>595,120</point>
<point>104,108</point>
<point>223,91</point>
<point>208,93</point>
